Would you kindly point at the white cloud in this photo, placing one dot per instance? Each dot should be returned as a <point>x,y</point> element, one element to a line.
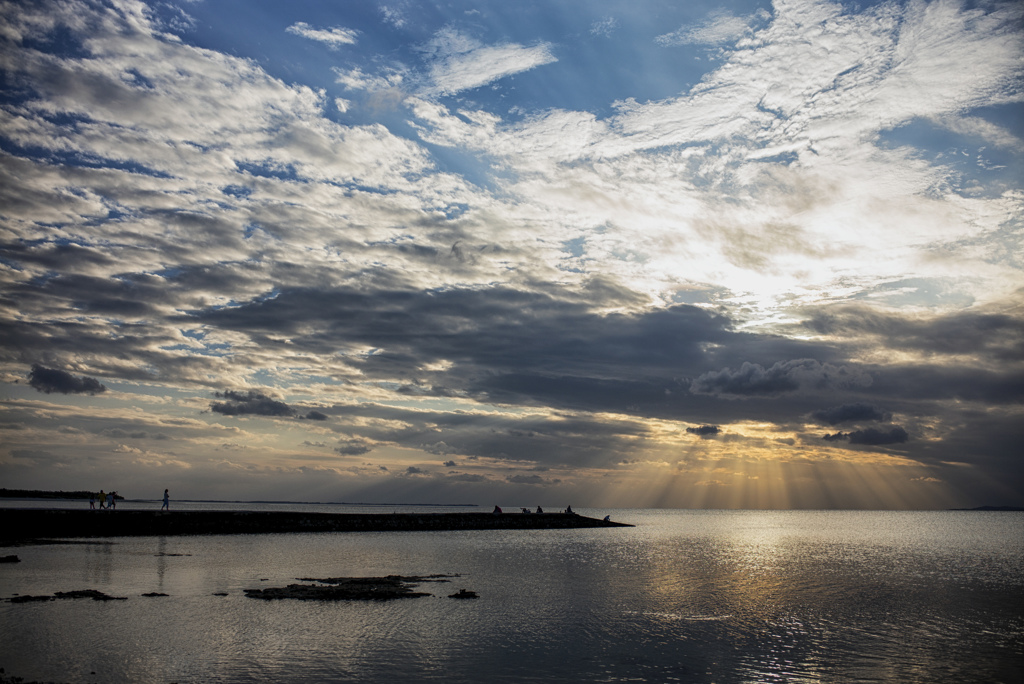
<point>333,37</point>
<point>767,177</point>
<point>394,15</point>
<point>356,79</point>
<point>720,28</point>
<point>459,62</point>
<point>605,27</point>
<point>975,126</point>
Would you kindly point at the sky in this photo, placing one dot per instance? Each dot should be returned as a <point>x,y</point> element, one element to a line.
<point>638,253</point>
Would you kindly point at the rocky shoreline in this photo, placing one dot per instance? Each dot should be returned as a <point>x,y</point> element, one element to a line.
<point>18,525</point>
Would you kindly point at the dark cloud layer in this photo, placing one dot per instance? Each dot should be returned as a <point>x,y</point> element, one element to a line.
<point>846,413</point>
<point>871,436</point>
<point>51,380</point>
<point>784,376</point>
<point>704,430</point>
<point>249,403</point>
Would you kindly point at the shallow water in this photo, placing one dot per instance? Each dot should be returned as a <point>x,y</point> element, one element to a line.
<point>689,596</point>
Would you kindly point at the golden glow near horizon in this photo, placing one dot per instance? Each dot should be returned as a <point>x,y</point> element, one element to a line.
<point>740,258</point>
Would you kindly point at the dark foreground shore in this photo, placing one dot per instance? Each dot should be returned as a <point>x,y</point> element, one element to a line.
<point>23,524</point>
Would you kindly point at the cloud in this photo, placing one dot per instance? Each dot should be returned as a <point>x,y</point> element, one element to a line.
<point>996,335</point>
<point>458,62</point>
<point>536,480</point>
<point>251,402</point>
<point>871,436</point>
<point>333,37</point>
<point>721,27</point>
<point>356,79</point>
<point>850,413</point>
<point>604,27</point>
<point>439,449</point>
<point>784,376</point>
<point>467,477</point>
<point>354,447</point>
<point>704,430</point>
<point>393,15</point>
<point>50,380</point>
<point>568,284</point>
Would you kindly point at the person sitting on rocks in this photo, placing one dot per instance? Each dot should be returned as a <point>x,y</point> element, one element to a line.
<point>539,509</point>
<point>497,509</point>
<point>569,510</point>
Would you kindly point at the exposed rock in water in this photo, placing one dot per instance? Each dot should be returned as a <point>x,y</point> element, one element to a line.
<point>81,593</point>
<point>88,593</point>
<point>463,594</point>
<point>155,593</point>
<point>350,588</point>
<point>30,599</point>
<point>10,559</point>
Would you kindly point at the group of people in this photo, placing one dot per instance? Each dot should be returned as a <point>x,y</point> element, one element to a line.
<point>497,509</point>
<point>107,501</point>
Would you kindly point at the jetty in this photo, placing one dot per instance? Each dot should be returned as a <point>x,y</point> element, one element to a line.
<point>24,524</point>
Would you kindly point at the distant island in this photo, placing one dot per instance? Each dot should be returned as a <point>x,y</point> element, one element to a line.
<point>41,494</point>
<point>1015,509</point>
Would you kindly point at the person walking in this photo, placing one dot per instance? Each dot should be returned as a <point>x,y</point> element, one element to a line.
<point>167,502</point>
<point>103,500</point>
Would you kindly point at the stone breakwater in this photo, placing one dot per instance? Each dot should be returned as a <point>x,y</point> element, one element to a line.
<point>23,524</point>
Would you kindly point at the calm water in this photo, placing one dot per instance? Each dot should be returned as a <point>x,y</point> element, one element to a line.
<point>685,596</point>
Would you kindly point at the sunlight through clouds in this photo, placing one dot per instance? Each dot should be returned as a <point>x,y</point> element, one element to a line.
<point>482,251</point>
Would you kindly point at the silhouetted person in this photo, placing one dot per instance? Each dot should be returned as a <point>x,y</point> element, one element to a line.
<point>497,509</point>
<point>110,501</point>
<point>569,510</point>
<point>92,501</point>
<point>103,500</point>
<point>539,509</point>
<point>167,501</point>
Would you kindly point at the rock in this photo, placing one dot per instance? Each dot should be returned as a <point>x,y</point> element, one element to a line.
<point>463,594</point>
<point>88,593</point>
<point>155,593</point>
<point>81,593</point>
<point>30,599</point>
<point>349,589</point>
<point>10,559</point>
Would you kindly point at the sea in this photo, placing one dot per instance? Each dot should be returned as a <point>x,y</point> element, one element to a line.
<point>706,596</point>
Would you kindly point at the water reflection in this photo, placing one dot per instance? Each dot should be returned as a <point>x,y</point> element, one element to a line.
<point>684,596</point>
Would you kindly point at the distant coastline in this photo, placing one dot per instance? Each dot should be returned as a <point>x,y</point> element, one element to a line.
<point>18,524</point>
<point>78,495</point>
<point>44,494</point>
<point>1012,509</point>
